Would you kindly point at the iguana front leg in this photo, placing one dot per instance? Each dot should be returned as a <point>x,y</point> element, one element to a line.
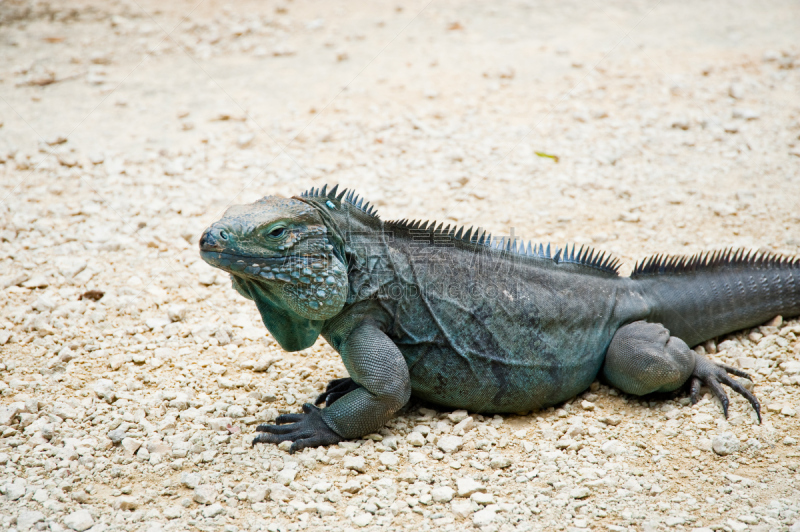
<point>643,358</point>
<point>380,370</point>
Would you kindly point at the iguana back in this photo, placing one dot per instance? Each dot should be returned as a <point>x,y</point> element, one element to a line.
<point>484,328</point>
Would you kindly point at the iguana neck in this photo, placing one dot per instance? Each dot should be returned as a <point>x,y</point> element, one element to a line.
<point>360,241</point>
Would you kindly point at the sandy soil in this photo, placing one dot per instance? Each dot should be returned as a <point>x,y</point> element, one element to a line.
<point>126,128</point>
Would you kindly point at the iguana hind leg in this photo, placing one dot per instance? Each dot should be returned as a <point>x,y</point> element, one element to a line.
<point>643,358</point>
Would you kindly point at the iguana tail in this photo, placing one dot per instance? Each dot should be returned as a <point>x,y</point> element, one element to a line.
<point>700,297</point>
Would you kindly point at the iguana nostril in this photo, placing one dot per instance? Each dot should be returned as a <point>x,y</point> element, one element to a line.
<point>223,235</point>
<point>208,240</point>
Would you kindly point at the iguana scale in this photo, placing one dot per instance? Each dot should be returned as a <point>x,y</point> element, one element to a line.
<point>457,318</point>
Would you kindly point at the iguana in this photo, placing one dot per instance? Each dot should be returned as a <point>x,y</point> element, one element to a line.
<point>465,321</point>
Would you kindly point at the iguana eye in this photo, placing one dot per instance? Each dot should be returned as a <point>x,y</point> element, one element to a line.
<point>277,232</point>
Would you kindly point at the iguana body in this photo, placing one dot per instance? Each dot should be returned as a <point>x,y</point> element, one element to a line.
<point>456,319</point>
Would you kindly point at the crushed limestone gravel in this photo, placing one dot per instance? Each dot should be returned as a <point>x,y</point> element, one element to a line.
<point>133,376</point>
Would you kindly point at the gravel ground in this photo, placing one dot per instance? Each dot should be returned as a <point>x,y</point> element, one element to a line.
<point>132,375</point>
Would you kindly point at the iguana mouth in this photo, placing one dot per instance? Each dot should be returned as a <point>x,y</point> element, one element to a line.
<point>291,269</point>
<point>220,256</point>
<point>256,267</point>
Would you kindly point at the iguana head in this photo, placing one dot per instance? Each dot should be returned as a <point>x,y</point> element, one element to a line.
<point>280,254</point>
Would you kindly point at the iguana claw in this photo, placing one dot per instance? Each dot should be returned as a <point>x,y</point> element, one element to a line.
<point>712,374</point>
<point>336,389</point>
<point>303,430</point>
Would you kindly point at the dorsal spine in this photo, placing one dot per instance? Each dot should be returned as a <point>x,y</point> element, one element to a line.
<point>585,256</point>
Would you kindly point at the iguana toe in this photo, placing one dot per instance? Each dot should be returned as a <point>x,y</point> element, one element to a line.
<point>303,430</point>
<point>714,375</point>
<point>335,390</point>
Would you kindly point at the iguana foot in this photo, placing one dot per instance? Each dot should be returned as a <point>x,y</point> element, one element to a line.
<point>643,358</point>
<point>335,390</point>
<point>303,430</point>
<point>712,374</point>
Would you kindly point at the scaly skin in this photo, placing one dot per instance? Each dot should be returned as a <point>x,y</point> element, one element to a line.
<point>453,319</point>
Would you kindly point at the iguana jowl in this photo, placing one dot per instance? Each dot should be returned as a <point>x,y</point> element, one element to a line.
<point>455,318</point>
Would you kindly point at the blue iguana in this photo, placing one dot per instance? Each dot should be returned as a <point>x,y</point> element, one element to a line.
<point>457,318</point>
